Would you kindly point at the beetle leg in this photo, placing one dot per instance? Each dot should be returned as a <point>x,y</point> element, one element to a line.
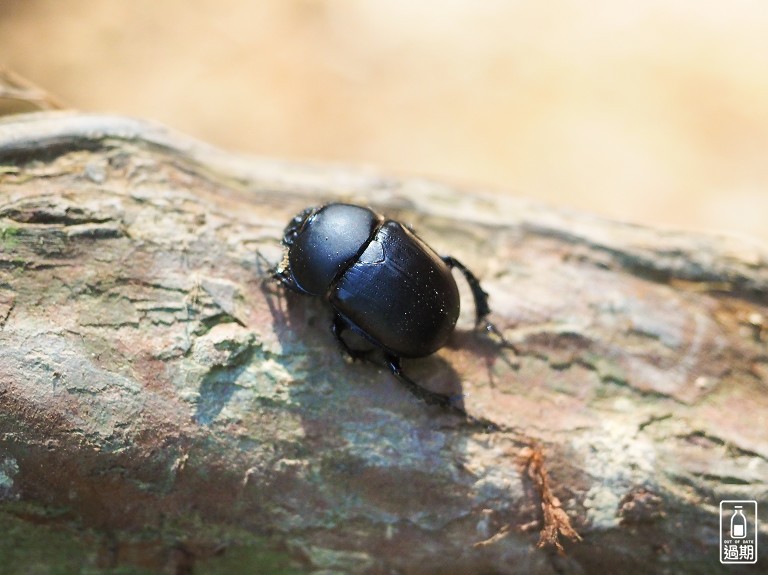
<point>482,309</point>
<point>279,273</point>
<point>338,327</point>
<point>432,398</point>
<point>286,281</point>
<point>429,397</point>
<point>478,294</point>
<point>283,275</point>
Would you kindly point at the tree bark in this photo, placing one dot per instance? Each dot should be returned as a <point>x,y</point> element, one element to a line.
<point>163,406</point>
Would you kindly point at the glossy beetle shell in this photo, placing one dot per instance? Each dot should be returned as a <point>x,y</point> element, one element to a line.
<point>384,281</point>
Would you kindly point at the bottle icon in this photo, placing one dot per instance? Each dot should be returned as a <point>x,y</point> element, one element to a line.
<point>738,523</point>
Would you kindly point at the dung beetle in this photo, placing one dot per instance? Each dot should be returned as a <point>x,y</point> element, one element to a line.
<point>382,281</point>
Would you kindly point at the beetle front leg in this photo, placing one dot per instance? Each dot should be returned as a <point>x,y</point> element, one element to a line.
<point>282,274</point>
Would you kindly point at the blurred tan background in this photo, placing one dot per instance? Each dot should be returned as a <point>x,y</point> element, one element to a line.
<point>653,111</point>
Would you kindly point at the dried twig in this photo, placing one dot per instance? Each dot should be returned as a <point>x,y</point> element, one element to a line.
<point>555,520</point>
<point>24,94</point>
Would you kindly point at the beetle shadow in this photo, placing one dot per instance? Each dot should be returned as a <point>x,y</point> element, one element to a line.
<point>487,344</point>
<point>299,319</point>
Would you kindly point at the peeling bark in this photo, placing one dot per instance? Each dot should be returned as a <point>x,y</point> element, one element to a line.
<point>162,406</point>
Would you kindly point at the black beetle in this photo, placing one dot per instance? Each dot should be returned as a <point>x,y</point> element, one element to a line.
<point>383,282</point>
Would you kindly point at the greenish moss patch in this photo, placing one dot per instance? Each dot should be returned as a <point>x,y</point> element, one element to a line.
<point>9,237</point>
<point>39,549</point>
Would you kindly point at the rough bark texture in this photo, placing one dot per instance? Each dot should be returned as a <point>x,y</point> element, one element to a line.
<point>162,407</point>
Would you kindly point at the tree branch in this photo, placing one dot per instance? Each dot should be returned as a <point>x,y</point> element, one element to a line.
<point>162,405</point>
